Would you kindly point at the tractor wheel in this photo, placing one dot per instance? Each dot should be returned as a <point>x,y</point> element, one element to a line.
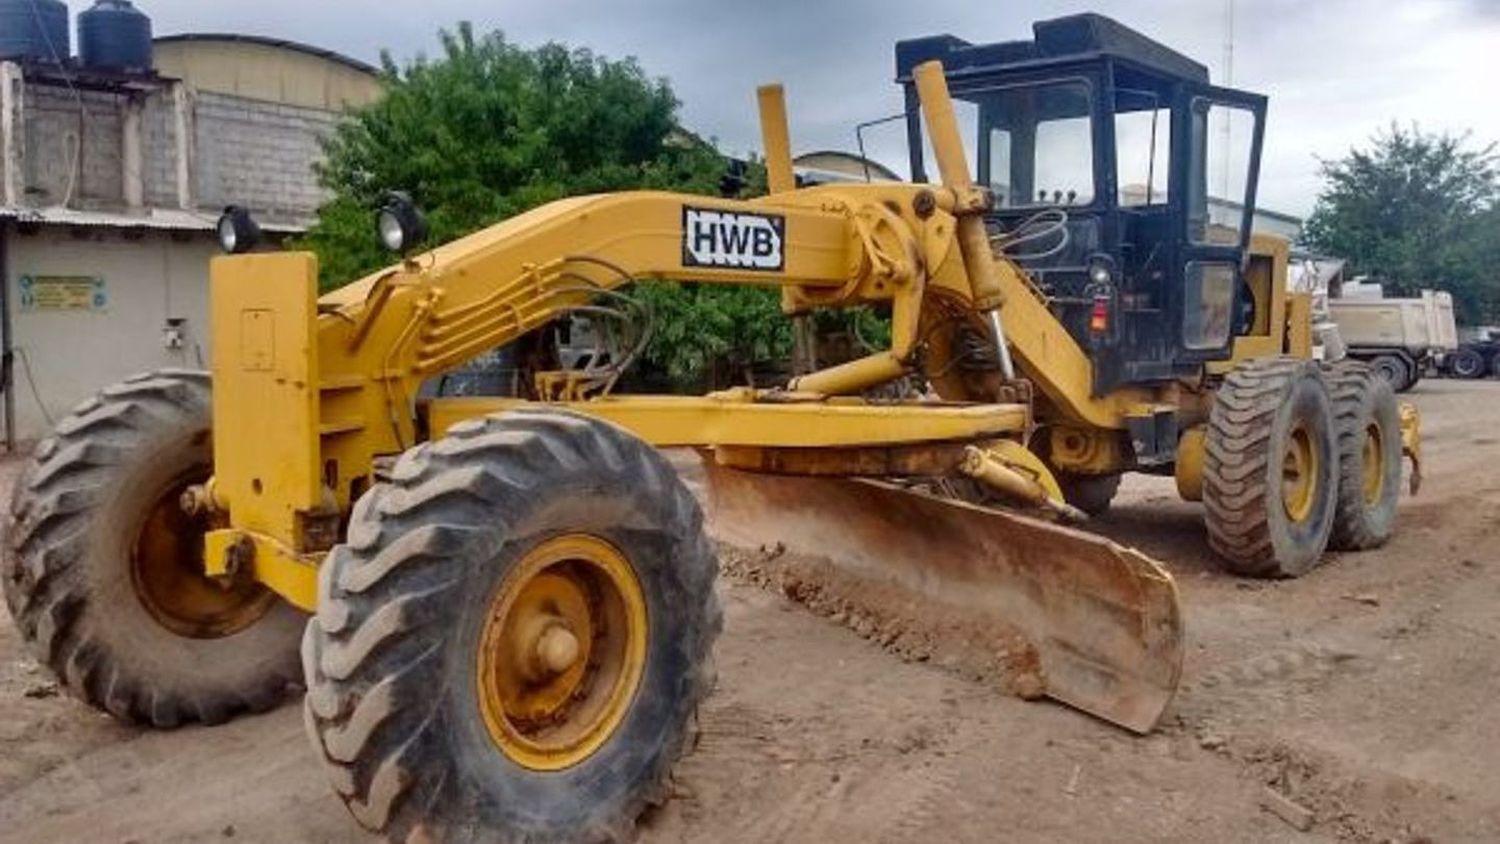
<point>513,643</point>
<point>1466,363</point>
<point>103,570</point>
<point>1368,424</point>
<point>1090,493</point>
<point>1393,370</point>
<point>1270,468</point>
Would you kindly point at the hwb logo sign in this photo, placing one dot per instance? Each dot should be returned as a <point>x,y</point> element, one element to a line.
<point>737,241</point>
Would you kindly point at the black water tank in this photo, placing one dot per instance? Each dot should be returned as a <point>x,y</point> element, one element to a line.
<point>114,35</point>
<point>34,30</point>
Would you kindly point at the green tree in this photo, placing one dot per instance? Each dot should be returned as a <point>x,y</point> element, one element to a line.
<point>491,129</point>
<point>701,328</point>
<point>1416,210</point>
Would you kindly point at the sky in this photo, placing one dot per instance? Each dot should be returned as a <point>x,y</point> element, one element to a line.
<point>1336,71</point>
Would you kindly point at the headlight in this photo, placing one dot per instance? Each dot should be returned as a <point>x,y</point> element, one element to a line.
<point>238,232</point>
<point>1099,273</point>
<point>399,223</point>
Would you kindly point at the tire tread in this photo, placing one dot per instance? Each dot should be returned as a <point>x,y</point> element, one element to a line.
<point>370,668</point>
<point>1237,462</point>
<point>46,540</point>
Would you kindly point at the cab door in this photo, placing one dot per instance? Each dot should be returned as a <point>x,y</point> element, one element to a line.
<point>1223,131</point>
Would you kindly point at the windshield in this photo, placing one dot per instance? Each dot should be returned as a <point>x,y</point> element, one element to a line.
<point>1036,143</point>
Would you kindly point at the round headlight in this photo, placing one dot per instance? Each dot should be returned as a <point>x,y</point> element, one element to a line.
<point>228,237</point>
<point>238,232</point>
<point>1099,274</point>
<point>399,223</point>
<point>391,234</point>
<point>1101,269</point>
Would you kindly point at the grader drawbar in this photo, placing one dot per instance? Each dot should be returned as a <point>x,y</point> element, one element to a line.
<point>512,599</point>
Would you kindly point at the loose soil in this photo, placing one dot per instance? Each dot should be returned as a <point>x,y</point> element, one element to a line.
<point>1358,701</point>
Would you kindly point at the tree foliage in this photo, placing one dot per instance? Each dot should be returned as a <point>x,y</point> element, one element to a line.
<point>491,129</point>
<point>700,325</point>
<point>1416,210</point>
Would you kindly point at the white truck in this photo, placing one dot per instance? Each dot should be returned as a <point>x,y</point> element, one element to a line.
<point>1400,338</point>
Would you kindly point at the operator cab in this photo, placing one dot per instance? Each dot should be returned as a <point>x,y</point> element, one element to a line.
<point>1099,146</point>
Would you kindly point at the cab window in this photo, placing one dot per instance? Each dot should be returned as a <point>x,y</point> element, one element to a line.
<point>1220,171</point>
<point>1036,143</point>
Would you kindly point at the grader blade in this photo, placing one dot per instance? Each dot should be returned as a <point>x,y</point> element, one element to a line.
<point>1055,611</point>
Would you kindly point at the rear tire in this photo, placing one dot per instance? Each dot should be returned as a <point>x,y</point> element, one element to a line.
<point>1393,370</point>
<point>1269,468</point>
<point>102,570</point>
<point>1368,424</point>
<point>1090,493</point>
<point>401,705</point>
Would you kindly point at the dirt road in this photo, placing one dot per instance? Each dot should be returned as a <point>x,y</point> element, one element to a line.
<point>1359,700</point>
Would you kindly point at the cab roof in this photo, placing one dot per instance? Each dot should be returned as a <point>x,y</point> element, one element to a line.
<point>1065,40</point>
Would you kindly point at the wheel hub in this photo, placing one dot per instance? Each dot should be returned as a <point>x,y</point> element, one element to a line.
<point>556,651</point>
<point>1372,464</point>
<point>166,569</point>
<point>562,652</point>
<point>1299,475</point>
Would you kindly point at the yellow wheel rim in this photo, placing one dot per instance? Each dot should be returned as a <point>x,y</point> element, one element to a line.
<point>1373,465</point>
<point>166,569</point>
<point>1299,475</point>
<point>562,652</point>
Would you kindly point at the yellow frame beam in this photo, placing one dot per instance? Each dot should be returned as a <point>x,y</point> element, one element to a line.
<point>281,569</point>
<point>728,420</point>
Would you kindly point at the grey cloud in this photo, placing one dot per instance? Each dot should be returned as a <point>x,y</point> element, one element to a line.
<point>1336,70</point>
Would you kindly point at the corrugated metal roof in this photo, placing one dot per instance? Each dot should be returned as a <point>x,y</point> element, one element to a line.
<point>159,219</point>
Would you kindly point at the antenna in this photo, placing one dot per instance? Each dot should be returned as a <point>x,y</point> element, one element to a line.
<point>1227,129</point>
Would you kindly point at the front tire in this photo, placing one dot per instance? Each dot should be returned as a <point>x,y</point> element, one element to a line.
<point>103,571</point>
<point>1269,468</point>
<point>514,641</point>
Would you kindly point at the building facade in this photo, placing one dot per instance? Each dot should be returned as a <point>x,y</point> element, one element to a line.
<point>110,186</point>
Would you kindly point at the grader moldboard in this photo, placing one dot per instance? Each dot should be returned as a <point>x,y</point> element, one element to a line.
<point>514,599</point>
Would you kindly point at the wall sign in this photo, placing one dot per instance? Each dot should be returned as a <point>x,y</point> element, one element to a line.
<point>62,293</point>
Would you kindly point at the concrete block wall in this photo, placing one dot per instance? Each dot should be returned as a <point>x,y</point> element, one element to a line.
<point>159,150</point>
<point>258,154</point>
<point>73,136</point>
<point>242,152</point>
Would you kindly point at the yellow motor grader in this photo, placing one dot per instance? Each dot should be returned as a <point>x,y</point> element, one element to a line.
<point>513,600</point>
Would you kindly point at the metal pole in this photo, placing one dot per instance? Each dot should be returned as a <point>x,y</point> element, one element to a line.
<point>7,351</point>
<point>1002,346</point>
<point>1228,128</point>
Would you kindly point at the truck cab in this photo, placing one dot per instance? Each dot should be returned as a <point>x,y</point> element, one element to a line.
<point>1099,145</point>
